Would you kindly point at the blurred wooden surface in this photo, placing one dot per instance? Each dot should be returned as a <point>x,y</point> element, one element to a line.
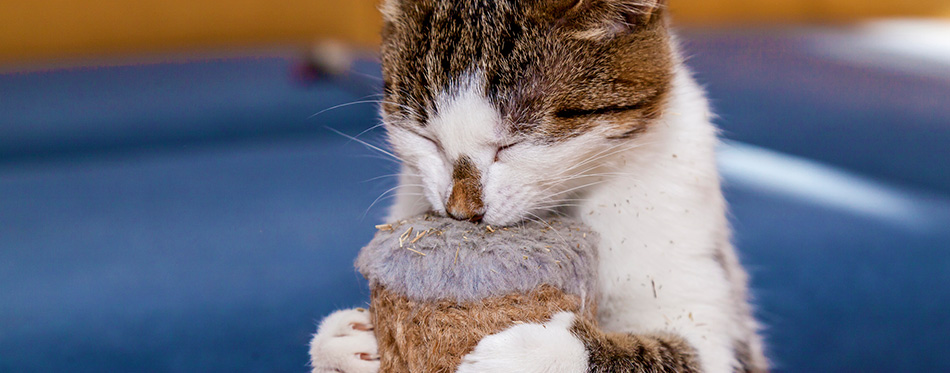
<point>37,30</point>
<point>768,11</point>
<point>45,29</point>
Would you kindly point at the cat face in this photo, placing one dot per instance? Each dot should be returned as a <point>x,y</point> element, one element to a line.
<point>506,108</point>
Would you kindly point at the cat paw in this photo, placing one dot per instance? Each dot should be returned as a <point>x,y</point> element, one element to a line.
<point>531,348</point>
<point>345,343</point>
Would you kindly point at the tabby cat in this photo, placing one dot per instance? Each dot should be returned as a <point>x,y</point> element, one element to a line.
<point>506,110</point>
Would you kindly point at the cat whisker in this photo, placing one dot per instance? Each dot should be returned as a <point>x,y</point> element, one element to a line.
<point>550,202</point>
<point>390,190</point>
<point>391,196</point>
<point>608,152</point>
<point>353,71</point>
<point>585,173</point>
<point>579,177</point>
<point>379,178</point>
<point>557,205</point>
<point>560,182</point>
<point>596,156</point>
<point>545,200</point>
<point>369,129</point>
<point>553,211</point>
<point>340,106</point>
<point>404,172</point>
<point>380,157</point>
<point>368,145</point>
<point>545,222</point>
<point>578,187</point>
<point>361,102</point>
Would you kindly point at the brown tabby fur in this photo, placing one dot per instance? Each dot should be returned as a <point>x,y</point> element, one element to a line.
<point>634,353</point>
<point>554,68</point>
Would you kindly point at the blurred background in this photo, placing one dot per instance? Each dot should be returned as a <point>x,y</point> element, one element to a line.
<point>171,198</point>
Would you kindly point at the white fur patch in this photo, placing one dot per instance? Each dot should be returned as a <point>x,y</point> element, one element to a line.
<point>338,346</point>
<point>530,348</point>
<point>466,123</point>
<point>660,232</point>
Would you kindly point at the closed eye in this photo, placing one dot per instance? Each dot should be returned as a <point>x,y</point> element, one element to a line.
<point>429,139</point>
<point>606,110</point>
<point>502,149</point>
<point>438,146</point>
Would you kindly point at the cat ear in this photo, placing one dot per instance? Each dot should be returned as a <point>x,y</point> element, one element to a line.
<point>640,12</point>
<point>608,18</point>
<point>560,8</point>
<point>390,10</point>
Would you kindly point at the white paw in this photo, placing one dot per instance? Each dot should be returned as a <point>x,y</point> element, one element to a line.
<point>530,348</point>
<point>345,343</point>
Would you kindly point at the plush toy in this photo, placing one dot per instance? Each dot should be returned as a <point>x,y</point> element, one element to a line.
<point>439,286</point>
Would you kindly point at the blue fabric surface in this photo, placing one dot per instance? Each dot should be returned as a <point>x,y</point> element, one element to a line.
<point>774,90</point>
<point>220,259</point>
<point>128,108</point>
<point>193,217</point>
<point>847,293</point>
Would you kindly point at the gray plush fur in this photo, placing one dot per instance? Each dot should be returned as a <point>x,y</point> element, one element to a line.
<point>467,262</point>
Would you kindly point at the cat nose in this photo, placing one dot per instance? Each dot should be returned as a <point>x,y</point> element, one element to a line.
<point>465,201</point>
<point>462,205</point>
<point>463,217</point>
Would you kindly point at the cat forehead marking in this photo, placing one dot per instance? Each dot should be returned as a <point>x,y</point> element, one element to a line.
<point>429,46</point>
<point>465,122</point>
<point>549,78</point>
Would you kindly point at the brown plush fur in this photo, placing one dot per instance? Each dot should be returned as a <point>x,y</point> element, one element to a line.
<point>433,337</point>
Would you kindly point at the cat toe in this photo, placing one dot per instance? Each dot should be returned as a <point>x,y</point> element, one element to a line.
<point>547,347</point>
<point>345,343</point>
<point>346,322</point>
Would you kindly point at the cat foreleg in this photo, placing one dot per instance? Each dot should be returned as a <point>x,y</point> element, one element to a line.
<point>568,344</point>
<point>530,348</point>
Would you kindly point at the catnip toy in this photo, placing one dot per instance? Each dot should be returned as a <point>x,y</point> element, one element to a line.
<point>440,285</point>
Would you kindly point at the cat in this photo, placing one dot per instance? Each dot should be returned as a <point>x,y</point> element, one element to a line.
<point>507,110</point>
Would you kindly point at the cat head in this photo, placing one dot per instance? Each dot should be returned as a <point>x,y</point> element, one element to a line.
<point>504,108</point>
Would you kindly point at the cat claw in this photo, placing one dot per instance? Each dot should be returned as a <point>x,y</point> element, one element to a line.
<point>368,357</point>
<point>345,343</point>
